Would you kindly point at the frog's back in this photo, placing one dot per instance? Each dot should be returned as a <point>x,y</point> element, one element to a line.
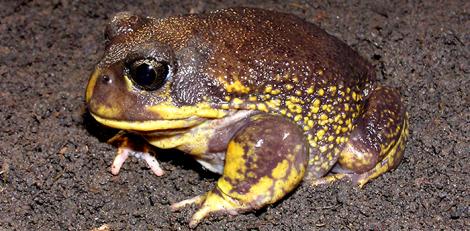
<point>263,48</point>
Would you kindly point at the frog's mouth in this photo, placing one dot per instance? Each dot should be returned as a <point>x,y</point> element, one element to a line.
<point>150,125</point>
<point>167,118</point>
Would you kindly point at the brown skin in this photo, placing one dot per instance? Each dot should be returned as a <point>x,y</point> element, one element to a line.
<point>237,80</point>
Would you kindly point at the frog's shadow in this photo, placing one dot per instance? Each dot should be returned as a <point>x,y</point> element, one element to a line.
<point>171,156</point>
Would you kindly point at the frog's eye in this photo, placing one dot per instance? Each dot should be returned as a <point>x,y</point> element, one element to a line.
<point>149,74</point>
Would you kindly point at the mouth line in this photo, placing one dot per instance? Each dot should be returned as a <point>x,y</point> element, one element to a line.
<point>150,125</point>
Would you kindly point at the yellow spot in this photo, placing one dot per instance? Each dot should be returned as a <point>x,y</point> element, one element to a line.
<point>274,103</point>
<point>310,123</point>
<point>237,101</point>
<point>283,111</point>
<point>316,102</point>
<point>323,148</point>
<point>325,165</point>
<point>337,118</point>
<point>252,107</point>
<point>289,86</point>
<point>280,170</point>
<point>310,90</point>
<point>354,96</point>
<point>297,92</point>
<point>331,138</point>
<point>262,107</point>
<point>322,122</point>
<point>313,143</point>
<point>252,98</point>
<point>276,92</point>
<point>346,107</point>
<point>296,100</point>
<point>321,92</point>
<point>236,86</point>
<point>336,150</point>
<point>297,118</point>
<point>323,117</point>
<point>315,110</point>
<point>293,107</point>
<point>332,90</point>
<point>320,72</point>
<point>227,98</point>
<point>320,134</point>
<point>268,88</point>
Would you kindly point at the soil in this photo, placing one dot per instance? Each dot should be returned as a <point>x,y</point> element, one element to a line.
<point>55,160</point>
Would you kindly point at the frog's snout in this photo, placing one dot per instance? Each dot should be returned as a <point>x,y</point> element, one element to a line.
<point>103,86</point>
<point>105,94</point>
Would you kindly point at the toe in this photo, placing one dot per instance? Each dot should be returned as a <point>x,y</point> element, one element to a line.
<point>120,158</point>
<point>153,164</point>
<point>195,200</point>
<point>215,202</point>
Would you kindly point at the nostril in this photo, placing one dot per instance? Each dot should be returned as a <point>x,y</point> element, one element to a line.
<point>106,79</point>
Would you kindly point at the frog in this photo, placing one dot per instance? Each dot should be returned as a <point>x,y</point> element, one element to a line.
<point>265,99</point>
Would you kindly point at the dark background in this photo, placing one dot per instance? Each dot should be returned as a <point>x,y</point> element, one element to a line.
<point>55,163</point>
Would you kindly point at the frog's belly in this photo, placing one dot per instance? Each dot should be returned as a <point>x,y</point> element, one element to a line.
<point>206,142</point>
<point>213,162</point>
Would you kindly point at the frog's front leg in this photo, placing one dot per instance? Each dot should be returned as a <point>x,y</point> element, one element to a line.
<point>134,147</point>
<point>265,160</point>
<point>377,142</point>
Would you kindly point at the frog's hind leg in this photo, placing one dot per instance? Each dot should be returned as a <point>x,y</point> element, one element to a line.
<point>265,160</point>
<point>377,142</point>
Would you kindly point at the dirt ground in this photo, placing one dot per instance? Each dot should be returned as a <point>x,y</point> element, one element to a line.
<point>55,162</point>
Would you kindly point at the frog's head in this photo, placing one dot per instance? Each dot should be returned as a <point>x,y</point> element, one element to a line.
<point>141,85</point>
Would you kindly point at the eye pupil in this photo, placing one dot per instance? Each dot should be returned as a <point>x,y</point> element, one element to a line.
<point>149,74</point>
<point>144,74</point>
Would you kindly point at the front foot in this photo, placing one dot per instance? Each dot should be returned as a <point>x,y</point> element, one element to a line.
<point>127,147</point>
<point>265,160</point>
